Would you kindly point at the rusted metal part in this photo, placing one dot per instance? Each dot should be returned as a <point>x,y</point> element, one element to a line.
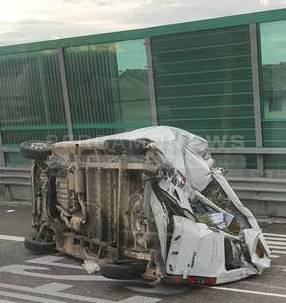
<point>99,199</point>
<point>98,203</point>
<point>109,206</point>
<point>129,166</point>
<point>137,255</point>
<point>108,203</point>
<point>119,213</point>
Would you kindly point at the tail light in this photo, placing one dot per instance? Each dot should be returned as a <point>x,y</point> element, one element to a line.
<point>191,280</point>
<point>201,280</point>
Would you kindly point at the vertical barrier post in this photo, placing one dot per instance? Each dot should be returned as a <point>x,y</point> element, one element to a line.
<point>2,156</point>
<point>151,82</point>
<point>65,92</point>
<point>44,90</point>
<point>256,96</point>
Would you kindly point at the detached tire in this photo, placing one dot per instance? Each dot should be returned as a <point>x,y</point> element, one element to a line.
<point>39,247</point>
<point>35,150</point>
<point>123,270</point>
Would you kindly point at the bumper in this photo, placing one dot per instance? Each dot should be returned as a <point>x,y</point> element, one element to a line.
<point>199,255</point>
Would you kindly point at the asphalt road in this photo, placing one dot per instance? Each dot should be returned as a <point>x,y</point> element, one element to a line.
<point>57,278</point>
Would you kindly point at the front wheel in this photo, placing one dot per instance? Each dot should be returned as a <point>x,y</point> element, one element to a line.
<point>123,270</point>
<point>39,247</point>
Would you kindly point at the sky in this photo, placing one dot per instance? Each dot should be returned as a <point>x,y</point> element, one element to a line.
<point>37,20</point>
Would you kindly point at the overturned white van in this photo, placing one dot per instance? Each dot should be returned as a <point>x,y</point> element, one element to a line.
<point>143,204</point>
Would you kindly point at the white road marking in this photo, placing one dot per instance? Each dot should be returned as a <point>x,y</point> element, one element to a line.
<point>32,271</point>
<point>52,287</point>
<point>28,297</point>
<point>244,291</point>
<point>279,252</point>
<point>160,290</point>
<point>49,291</point>
<point>10,211</point>
<point>12,238</point>
<point>53,261</point>
<point>283,240</point>
<point>274,256</point>
<point>262,285</point>
<point>275,235</point>
<point>55,289</point>
<point>274,246</point>
<point>139,299</point>
<point>26,270</point>
<point>276,243</point>
<point>5,301</point>
<point>281,267</point>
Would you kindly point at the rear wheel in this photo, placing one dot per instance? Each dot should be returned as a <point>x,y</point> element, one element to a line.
<point>39,247</point>
<point>35,150</point>
<point>123,270</point>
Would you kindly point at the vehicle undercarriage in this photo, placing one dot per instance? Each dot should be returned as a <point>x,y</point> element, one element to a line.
<point>143,204</point>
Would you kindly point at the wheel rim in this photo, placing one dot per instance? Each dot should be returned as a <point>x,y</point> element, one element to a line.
<point>38,146</point>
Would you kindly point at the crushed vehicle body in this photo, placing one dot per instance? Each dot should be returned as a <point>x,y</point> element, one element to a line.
<point>147,203</point>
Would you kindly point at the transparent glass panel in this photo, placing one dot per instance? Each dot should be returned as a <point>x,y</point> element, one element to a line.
<point>235,161</point>
<point>31,91</point>
<point>133,83</point>
<point>108,87</point>
<point>92,83</point>
<point>273,55</point>
<point>31,100</point>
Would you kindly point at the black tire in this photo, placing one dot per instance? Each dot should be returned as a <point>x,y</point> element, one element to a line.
<point>35,150</point>
<point>123,270</point>
<point>39,247</point>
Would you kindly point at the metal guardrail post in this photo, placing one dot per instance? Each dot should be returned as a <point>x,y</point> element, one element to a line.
<point>3,164</point>
<point>256,96</point>
<point>2,156</point>
<point>250,150</point>
<point>65,92</point>
<point>151,82</point>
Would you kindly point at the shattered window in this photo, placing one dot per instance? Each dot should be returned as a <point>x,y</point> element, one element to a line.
<point>216,194</point>
<point>226,217</point>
